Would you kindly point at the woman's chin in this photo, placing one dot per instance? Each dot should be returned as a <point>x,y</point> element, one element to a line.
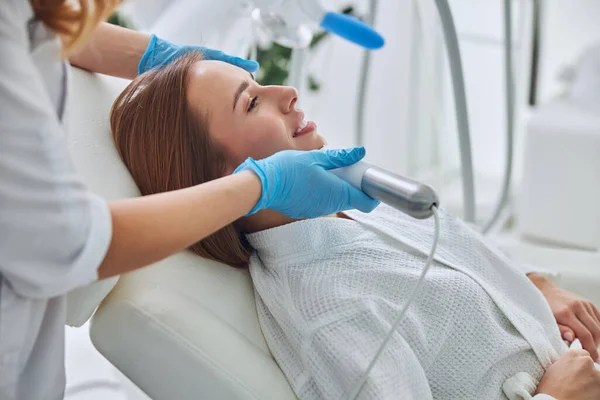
<point>318,143</point>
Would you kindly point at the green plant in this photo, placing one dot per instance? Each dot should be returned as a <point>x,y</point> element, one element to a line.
<point>119,19</point>
<point>275,60</point>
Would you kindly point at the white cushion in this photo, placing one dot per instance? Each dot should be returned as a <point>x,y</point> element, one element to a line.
<point>98,162</point>
<point>184,328</point>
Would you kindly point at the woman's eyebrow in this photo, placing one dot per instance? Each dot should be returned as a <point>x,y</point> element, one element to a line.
<point>244,85</point>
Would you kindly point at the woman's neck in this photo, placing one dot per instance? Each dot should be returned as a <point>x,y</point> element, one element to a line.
<point>267,219</point>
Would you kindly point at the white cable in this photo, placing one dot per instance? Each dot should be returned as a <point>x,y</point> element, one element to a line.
<point>361,383</point>
<point>460,100</point>
<point>460,104</point>
<point>510,119</point>
<point>363,81</point>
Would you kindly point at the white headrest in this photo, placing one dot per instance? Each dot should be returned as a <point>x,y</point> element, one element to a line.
<point>98,162</point>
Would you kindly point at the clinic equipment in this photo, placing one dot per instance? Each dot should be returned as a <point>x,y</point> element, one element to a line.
<point>404,194</point>
<point>456,70</point>
<point>462,118</point>
<point>562,167</point>
<point>561,175</point>
<point>291,22</point>
<point>288,22</point>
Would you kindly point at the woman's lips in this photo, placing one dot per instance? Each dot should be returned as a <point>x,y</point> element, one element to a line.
<point>309,128</point>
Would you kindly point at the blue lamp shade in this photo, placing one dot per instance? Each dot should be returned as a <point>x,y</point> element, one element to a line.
<point>352,29</point>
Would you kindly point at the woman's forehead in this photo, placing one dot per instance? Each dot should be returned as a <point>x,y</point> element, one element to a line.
<point>217,75</point>
<point>213,84</point>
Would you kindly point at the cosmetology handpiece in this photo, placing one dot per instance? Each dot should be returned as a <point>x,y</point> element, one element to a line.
<point>404,194</point>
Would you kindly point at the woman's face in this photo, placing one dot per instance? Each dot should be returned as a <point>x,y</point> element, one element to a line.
<point>246,119</point>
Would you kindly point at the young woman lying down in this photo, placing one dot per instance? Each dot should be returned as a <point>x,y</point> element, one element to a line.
<point>328,289</point>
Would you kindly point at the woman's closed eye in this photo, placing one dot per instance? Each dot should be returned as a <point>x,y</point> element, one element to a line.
<point>253,103</point>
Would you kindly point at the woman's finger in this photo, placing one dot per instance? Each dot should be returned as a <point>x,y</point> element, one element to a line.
<point>566,333</point>
<point>595,311</point>
<point>592,311</point>
<point>594,324</point>
<point>583,334</point>
<point>590,323</point>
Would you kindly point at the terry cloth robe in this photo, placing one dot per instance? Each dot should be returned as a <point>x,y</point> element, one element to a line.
<point>329,289</point>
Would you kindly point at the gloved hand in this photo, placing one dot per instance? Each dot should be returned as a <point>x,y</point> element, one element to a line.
<point>161,52</point>
<point>297,184</point>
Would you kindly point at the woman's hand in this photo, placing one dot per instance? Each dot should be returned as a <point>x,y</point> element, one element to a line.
<point>572,377</point>
<point>161,52</point>
<point>576,317</point>
<point>297,184</point>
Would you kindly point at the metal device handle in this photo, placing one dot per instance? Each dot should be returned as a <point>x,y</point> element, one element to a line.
<point>407,195</point>
<point>404,194</point>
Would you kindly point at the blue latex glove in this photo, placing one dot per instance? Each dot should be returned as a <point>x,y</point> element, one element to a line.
<point>297,184</point>
<point>161,52</point>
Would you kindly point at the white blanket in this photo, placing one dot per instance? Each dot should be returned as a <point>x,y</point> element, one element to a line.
<point>328,289</point>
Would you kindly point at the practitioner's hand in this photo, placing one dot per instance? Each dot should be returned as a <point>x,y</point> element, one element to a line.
<point>161,52</point>
<point>297,184</point>
<point>572,377</point>
<point>576,317</point>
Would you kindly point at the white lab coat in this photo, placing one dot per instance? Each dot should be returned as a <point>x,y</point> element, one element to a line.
<point>53,232</point>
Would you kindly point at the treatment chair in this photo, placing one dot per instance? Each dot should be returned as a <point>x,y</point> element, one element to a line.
<point>184,328</point>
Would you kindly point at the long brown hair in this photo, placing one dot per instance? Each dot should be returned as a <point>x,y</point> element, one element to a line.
<point>72,20</point>
<point>166,146</point>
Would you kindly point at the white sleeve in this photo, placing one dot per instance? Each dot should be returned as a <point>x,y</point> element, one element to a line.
<point>53,232</point>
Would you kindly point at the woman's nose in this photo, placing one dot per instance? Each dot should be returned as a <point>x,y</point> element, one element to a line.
<point>287,97</point>
<point>290,98</point>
